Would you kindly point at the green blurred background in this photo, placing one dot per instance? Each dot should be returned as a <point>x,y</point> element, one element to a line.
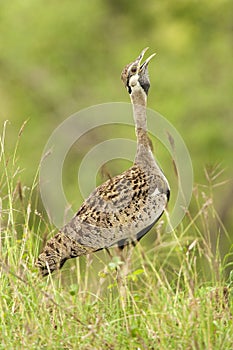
<point>57,58</point>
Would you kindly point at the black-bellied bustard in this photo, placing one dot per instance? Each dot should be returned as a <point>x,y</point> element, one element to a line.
<point>124,208</point>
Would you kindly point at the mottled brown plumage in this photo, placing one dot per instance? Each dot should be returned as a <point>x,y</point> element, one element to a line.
<point>124,208</point>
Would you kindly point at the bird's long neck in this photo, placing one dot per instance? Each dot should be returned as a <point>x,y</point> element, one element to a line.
<point>139,101</point>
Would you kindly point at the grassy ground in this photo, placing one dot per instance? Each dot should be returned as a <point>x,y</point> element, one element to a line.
<point>173,293</point>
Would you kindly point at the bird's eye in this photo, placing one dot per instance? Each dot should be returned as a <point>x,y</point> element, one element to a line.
<point>134,69</point>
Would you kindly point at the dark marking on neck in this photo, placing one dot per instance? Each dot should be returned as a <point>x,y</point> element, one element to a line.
<point>145,84</point>
<point>128,86</point>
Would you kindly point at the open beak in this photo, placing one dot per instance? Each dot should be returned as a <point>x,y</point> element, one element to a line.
<point>142,67</point>
<point>145,64</point>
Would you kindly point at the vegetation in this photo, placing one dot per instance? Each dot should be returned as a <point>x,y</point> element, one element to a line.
<point>173,290</point>
<point>169,293</point>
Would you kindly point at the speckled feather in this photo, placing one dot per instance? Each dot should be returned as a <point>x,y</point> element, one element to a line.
<point>119,209</point>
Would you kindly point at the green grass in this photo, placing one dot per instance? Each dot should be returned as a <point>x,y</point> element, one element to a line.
<point>172,292</point>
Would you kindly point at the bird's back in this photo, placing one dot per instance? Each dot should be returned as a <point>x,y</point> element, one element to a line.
<point>119,209</point>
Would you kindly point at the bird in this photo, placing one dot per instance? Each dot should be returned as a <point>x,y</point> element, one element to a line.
<point>125,207</point>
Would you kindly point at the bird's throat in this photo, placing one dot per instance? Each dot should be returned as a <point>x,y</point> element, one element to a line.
<point>139,99</point>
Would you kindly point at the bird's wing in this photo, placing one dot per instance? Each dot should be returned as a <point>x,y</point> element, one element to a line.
<point>119,209</point>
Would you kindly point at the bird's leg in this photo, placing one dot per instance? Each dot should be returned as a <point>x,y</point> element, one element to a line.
<point>109,253</point>
<point>122,274</point>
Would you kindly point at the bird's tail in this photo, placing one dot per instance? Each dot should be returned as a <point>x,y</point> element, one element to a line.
<point>57,250</point>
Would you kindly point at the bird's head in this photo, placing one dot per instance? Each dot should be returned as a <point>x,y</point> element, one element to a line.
<point>135,74</point>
